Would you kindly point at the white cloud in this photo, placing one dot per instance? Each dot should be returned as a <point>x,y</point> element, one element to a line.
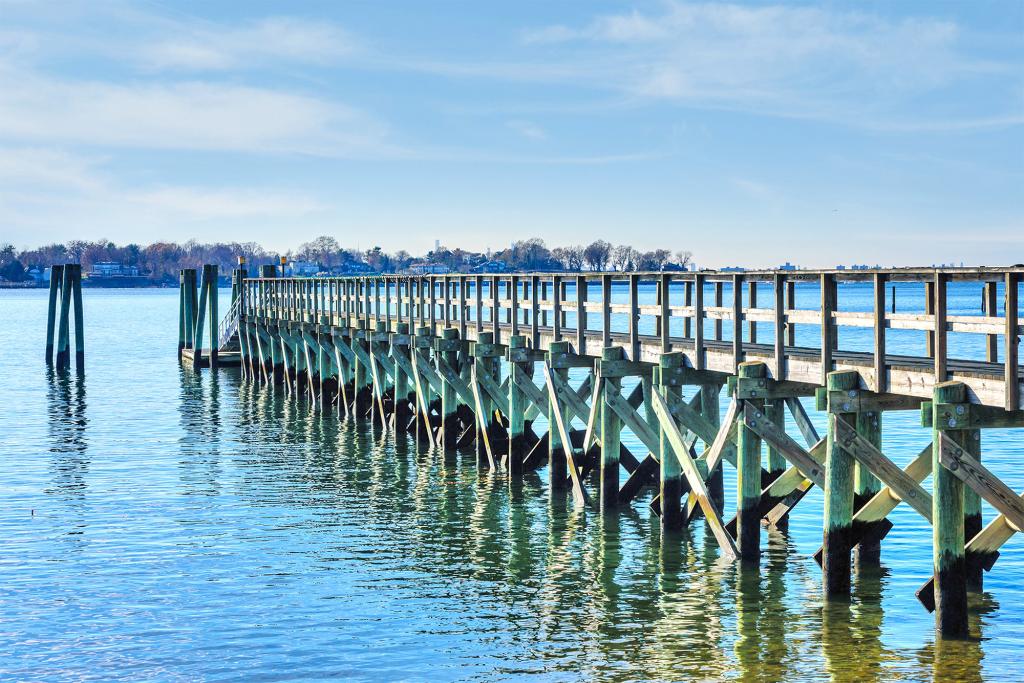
<point>183,115</point>
<point>528,129</point>
<point>46,192</point>
<point>202,46</point>
<point>794,61</point>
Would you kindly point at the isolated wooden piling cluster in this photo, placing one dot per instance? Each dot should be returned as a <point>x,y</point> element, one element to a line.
<point>65,292</point>
<point>454,360</point>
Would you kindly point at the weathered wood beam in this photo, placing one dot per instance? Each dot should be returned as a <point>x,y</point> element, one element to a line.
<point>678,448</point>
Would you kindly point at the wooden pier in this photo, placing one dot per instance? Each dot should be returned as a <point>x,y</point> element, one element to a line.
<point>471,362</point>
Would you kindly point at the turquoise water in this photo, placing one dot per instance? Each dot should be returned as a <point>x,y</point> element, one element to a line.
<point>162,525</point>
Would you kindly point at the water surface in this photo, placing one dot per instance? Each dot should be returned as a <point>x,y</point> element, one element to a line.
<point>162,525</point>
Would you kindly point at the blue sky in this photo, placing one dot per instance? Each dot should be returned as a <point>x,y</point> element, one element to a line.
<point>886,132</point>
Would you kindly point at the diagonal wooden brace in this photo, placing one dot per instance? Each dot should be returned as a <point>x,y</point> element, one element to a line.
<point>869,522</point>
<point>693,476</point>
<point>864,452</point>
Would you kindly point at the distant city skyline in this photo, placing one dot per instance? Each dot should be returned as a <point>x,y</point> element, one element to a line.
<point>748,134</point>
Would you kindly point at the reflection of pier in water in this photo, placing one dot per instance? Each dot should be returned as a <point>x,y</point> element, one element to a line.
<point>371,347</point>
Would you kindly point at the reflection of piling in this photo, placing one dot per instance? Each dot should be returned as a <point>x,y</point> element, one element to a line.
<point>65,281</point>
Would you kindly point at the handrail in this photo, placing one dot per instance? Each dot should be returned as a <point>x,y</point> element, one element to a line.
<point>536,303</point>
<point>229,323</point>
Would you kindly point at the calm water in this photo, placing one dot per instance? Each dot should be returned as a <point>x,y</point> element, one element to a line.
<point>162,525</point>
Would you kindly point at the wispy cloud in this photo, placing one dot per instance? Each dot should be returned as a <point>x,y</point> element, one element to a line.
<point>183,115</point>
<point>794,61</point>
<point>52,190</point>
<point>528,129</point>
<point>206,46</point>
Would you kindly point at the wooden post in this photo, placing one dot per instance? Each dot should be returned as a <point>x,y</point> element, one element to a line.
<point>400,346</point>
<point>881,369</point>
<point>839,481</point>
<point>606,311</point>
<point>64,326</point>
<point>719,289</point>
<point>79,319</point>
<point>495,309</point>
<point>424,395</point>
<point>828,326</point>
<point>363,391</point>
<point>866,485</point>
<point>449,397</point>
<point>665,312</point>
<point>775,411</point>
<point>929,309</point>
<point>634,317</point>
<point>56,276</point>
<point>790,305</point>
<point>688,301</point>
<point>1011,341</point>
<point>948,523</point>
<point>328,376</point>
<point>463,309</point>
<point>557,463</point>
<point>556,306</point>
<point>710,409</point>
<point>214,318</point>
<point>670,486</point>
<point>748,473</point>
<point>940,345</point>
<point>181,314</point>
<point>779,290</point>
<point>485,367</point>
<point>973,522</point>
<point>204,293</point>
<point>737,321</point>
<point>581,315</point>
<point>611,426</point>
<point>698,324</point>
<point>517,405</point>
<point>478,296</point>
<point>513,309</point>
<point>752,303</point>
<point>989,308</point>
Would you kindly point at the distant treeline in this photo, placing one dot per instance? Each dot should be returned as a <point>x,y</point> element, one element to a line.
<point>161,261</point>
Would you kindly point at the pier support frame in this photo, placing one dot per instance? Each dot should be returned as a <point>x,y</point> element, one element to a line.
<point>948,521</point>
<point>519,357</point>
<point>611,427</point>
<point>670,479</point>
<point>748,473</point>
<point>839,482</point>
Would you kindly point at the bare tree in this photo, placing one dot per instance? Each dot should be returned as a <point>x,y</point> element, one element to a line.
<point>683,258</point>
<point>570,257</point>
<point>596,254</point>
<point>624,257</point>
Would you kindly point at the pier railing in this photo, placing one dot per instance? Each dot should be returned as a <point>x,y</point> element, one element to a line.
<point>717,320</point>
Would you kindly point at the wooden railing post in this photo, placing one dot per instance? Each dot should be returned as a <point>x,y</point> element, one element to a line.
<point>581,314</point>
